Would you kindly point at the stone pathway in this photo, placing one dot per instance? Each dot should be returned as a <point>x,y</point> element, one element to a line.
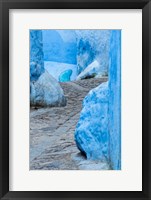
<point>52,145</point>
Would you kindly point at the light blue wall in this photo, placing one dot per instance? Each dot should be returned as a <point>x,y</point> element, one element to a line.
<point>59,46</point>
<point>115,100</point>
<point>36,54</point>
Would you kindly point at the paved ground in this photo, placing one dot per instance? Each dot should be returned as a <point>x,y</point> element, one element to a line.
<point>52,145</point>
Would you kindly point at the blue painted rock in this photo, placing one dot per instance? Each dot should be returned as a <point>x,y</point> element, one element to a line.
<point>91,71</point>
<point>46,92</point>
<point>91,134</point>
<point>65,76</point>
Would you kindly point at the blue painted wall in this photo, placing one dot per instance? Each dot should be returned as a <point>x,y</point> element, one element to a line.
<point>115,100</point>
<point>98,132</point>
<point>93,45</point>
<point>59,46</point>
<point>36,54</point>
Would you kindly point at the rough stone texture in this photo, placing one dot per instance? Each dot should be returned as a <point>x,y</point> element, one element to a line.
<point>46,91</point>
<point>93,45</point>
<point>36,55</point>
<point>115,100</point>
<point>92,134</point>
<point>52,145</point>
<point>98,132</point>
<point>92,70</point>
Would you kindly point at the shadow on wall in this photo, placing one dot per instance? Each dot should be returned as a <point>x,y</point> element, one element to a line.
<point>59,46</point>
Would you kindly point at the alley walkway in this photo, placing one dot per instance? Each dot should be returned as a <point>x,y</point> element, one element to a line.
<point>52,145</point>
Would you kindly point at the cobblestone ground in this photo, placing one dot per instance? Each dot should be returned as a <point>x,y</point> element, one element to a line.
<point>52,145</point>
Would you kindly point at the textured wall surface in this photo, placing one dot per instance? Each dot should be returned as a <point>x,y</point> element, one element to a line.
<point>115,100</point>
<point>80,48</point>
<point>36,54</point>
<point>93,45</point>
<point>98,132</point>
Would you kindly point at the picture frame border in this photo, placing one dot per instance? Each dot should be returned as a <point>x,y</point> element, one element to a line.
<point>145,5</point>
